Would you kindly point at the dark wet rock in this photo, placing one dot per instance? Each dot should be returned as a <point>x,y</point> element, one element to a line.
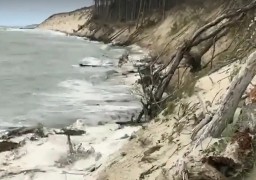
<point>125,136</point>
<point>38,130</point>
<point>8,146</point>
<point>133,136</point>
<point>100,123</point>
<point>123,154</point>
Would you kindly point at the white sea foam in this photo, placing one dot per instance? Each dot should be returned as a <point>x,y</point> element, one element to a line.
<point>92,61</point>
<point>37,31</point>
<point>93,93</point>
<point>90,98</point>
<point>82,90</point>
<point>105,47</point>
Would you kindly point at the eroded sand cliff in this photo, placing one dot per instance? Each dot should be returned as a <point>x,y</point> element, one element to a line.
<point>157,148</point>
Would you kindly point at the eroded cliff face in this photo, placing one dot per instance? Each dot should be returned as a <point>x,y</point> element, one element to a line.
<point>157,149</point>
<point>159,35</point>
<point>66,22</point>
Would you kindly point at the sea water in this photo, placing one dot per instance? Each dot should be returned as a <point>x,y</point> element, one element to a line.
<point>41,80</point>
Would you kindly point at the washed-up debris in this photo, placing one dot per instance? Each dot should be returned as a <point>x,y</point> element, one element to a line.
<point>38,130</point>
<point>71,132</point>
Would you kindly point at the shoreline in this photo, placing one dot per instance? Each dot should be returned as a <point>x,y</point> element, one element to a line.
<point>164,149</point>
<point>35,157</point>
<point>52,157</point>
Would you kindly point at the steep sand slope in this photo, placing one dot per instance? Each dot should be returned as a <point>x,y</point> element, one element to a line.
<point>165,35</point>
<point>66,22</point>
<point>156,149</point>
<point>178,25</point>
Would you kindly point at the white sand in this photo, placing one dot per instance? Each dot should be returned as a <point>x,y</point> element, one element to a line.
<point>42,159</point>
<point>164,131</point>
<point>46,152</point>
<point>159,132</point>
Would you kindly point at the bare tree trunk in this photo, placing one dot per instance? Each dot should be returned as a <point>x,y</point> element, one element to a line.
<point>229,104</point>
<point>139,13</point>
<point>212,31</point>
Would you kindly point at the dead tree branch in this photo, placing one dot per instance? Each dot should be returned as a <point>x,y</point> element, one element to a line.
<point>230,102</point>
<point>211,32</point>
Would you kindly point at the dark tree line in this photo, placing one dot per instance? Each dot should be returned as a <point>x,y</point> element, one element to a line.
<point>130,10</point>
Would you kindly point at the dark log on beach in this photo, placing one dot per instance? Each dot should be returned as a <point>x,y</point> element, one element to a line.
<point>130,123</point>
<point>71,132</point>
<point>86,65</point>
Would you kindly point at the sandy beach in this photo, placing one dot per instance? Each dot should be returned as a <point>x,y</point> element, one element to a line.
<point>51,155</point>
<point>204,56</point>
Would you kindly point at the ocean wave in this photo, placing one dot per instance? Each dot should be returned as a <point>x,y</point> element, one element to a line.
<point>92,61</point>
<point>105,47</point>
<point>81,99</point>
<point>37,31</point>
<point>77,92</point>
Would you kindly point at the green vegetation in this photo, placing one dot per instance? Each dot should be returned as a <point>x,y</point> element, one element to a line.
<point>170,108</point>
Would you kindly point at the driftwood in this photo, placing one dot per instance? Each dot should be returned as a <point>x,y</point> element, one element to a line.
<point>71,132</point>
<point>14,132</point>
<point>86,65</point>
<point>129,123</point>
<point>215,126</point>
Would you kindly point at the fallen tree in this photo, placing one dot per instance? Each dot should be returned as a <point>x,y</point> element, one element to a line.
<point>226,156</point>
<point>233,159</point>
<point>160,76</point>
<point>214,126</point>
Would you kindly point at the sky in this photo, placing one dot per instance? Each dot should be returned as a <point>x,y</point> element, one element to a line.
<point>26,12</point>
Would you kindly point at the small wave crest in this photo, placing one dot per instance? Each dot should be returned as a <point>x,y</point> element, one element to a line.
<point>92,61</point>
<point>80,93</point>
<point>37,31</point>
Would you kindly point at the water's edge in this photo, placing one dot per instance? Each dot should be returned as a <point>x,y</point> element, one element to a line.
<point>52,155</point>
